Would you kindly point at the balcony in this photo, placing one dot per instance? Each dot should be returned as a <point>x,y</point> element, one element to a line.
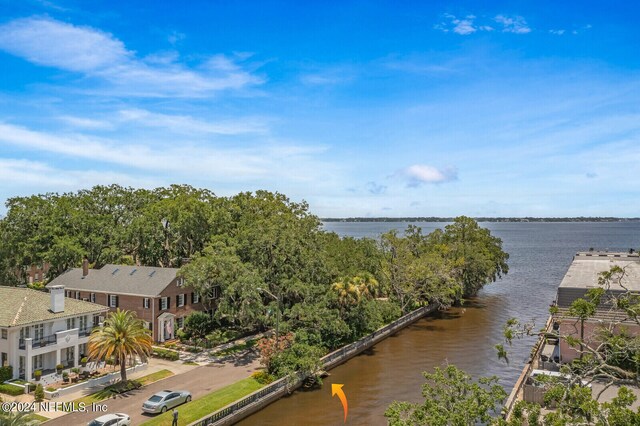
<point>83,332</point>
<point>40,342</point>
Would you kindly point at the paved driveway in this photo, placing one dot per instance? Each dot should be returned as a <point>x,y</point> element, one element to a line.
<point>199,381</point>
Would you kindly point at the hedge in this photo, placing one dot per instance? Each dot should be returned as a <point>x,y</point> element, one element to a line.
<point>6,373</point>
<point>11,389</point>
<point>165,354</point>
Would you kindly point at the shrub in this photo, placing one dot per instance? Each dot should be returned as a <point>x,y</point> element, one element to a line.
<point>65,375</point>
<point>59,367</point>
<point>84,361</point>
<point>165,354</point>
<point>263,377</point>
<point>37,374</point>
<point>39,393</point>
<point>50,389</point>
<point>11,389</point>
<point>6,373</point>
<point>75,370</point>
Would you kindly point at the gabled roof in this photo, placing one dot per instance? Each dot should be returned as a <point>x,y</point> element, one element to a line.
<point>145,281</point>
<point>21,306</point>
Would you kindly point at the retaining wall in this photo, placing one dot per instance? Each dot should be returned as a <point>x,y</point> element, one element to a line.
<point>259,399</point>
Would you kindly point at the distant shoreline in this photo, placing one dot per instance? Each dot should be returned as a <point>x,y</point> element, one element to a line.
<point>483,219</point>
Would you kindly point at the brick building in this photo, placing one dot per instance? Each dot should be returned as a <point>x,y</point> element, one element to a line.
<point>156,294</point>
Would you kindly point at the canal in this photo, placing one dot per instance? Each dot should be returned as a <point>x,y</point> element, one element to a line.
<point>539,256</point>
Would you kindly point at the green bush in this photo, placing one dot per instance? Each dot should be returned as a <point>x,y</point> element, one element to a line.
<point>37,374</point>
<point>11,389</point>
<point>263,377</point>
<point>50,389</point>
<point>84,361</point>
<point>59,367</point>
<point>6,373</point>
<point>165,354</point>
<point>39,393</point>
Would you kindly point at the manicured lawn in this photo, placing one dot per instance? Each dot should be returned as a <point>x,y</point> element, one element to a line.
<point>108,393</point>
<point>37,417</point>
<point>154,377</point>
<point>209,403</point>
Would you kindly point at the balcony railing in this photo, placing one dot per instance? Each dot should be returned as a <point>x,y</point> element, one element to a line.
<point>40,342</point>
<point>86,331</point>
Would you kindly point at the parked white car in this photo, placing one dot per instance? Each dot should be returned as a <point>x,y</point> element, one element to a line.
<point>116,419</point>
<point>162,401</point>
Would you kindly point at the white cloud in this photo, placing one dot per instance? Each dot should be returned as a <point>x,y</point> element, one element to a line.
<point>185,124</point>
<point>462,26</point>
<point>419,174</point>
<point>85,123</point>
<point>100,55</point>
<point>513,24</point>
<point>557,32</point>
<point>180,159</point>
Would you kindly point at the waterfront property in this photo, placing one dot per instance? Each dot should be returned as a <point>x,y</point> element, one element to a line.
<point>582,275</point>
<point>157,295</point>
<point>40,331</point>
<point>550,353</point>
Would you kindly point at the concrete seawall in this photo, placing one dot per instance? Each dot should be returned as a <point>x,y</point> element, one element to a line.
<point>259,399</point>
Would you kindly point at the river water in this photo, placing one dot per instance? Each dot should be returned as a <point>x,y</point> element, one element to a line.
<point>540,254</point>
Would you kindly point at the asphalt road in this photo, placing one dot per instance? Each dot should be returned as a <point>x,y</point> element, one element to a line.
<point>199,381</point>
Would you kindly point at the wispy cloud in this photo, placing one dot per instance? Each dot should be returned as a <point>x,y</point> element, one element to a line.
<point>419,174</point>
<point>267,161</point>
<point>85,123</point>
<point>513,24</point>
<point>185,124</point>
<point>557,32</point>
<point>99,55</point>
<point>469,24</point>
<point>375,188</point>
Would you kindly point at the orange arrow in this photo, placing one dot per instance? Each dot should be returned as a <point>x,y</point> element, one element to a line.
<point>337,389</point>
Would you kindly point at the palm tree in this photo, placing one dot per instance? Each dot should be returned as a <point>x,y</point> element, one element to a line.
<point>123,337</point>
<point>348,294</point>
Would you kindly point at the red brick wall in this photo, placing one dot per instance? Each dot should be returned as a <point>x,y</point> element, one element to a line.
<point>135,303</point>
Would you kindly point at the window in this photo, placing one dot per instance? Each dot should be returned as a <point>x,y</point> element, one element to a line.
<point>37,276</point>
<point>83,322</point>
<point>180,300</point>
<point>3,360</point>
<point>38,331</point>
<point>25,332</point>
<point>4,333</point>
<point>68,293</point>
<point>92,297</point>
<point>145,303</point>
<point>164,303</point>
<point>180,282</point>
<point>77,295</point>
<point>37,362</point>
<point>195,298</point>
<point>71,323</point>
<point>179,322</point>
<point>113,301</point>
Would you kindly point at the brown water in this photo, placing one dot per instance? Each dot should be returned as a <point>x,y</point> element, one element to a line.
<point>391,370</point>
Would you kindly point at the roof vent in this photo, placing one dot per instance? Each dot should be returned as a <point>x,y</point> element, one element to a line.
<point>133,272</point>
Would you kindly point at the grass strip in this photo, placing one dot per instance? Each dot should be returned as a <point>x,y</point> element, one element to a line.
<point>196,409</point>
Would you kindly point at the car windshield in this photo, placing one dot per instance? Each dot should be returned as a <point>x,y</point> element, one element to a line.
<point>155,398</point>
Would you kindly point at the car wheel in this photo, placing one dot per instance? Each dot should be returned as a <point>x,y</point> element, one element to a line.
<point>164,409</point>
<point>188,399</point>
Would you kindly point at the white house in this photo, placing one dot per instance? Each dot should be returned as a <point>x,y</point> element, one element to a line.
<point>40,330</point>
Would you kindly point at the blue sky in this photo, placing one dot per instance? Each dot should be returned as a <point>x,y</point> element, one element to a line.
<point>361,108</point>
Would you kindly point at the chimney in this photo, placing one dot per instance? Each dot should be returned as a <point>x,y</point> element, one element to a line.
<point>57,298</point>
<point>85,267</point>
